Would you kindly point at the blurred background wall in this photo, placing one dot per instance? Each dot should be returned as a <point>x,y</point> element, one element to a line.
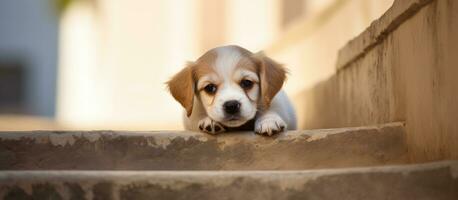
<point>28,57</point>
<point>28,62</point>
<point>112,57</point>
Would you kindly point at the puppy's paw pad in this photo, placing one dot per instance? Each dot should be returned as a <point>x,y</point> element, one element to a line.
<point>209,126</point>
<point>269,125</point>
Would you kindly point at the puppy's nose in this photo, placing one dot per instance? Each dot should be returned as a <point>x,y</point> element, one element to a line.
<point>231,107</point>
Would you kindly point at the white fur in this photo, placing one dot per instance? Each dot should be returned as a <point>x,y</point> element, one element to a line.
<point>280,113</point>
<point>226,61</point>
<point>208,110</point>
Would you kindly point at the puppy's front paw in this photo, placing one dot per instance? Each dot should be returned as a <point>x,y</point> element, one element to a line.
<point>209,126</point>
<point>269,124</point>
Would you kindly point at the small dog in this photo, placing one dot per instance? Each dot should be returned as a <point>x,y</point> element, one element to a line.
<point>230,88</point>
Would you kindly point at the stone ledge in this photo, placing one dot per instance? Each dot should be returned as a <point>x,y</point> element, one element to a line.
<point>378,30</point>
<point>165,150</point>
<point>423,181</point>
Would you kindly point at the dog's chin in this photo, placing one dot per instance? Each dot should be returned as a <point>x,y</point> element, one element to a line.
<point>233,123</point>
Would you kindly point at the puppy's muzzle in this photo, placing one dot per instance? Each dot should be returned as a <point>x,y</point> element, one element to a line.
<point>232,107</point>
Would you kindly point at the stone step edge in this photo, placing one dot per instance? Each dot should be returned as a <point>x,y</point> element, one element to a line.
<point>63,138</point>
<point>129,175</point>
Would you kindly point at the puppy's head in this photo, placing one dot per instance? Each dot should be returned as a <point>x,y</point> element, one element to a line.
<point>231,83</point>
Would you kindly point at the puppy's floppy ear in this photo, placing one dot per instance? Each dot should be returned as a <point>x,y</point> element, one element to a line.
<point>182,87</point>
<point>272,76</point>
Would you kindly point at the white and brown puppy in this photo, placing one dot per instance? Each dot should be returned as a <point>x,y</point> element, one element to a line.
<point>230,88</point>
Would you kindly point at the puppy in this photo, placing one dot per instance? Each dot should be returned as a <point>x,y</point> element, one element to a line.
<point>230,88</point>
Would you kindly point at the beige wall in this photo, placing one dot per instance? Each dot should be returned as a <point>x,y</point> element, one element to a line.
<point>116,55</point>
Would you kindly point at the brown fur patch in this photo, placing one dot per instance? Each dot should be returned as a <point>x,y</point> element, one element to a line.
<point>247,61</point>
<point>181,86</point>
<point>248,64</point>
<point>204,65</point>
<point>272,76</point>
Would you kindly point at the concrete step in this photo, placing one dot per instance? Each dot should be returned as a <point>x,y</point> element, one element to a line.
<point>165,150</point>
<point>421,181</point>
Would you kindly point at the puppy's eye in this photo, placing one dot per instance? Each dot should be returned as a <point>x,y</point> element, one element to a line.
<point>246,84</point>
<point>210,89</point>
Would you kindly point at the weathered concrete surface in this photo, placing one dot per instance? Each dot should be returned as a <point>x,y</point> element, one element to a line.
<point>105,150</point>
<point>403,68</point>
<point>398,13</point>
<point>426,181</point>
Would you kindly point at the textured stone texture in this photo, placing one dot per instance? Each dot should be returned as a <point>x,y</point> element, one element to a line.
<point>403,68</point>
<point>426,181</point>
<point>108,150</point>
<point>399,12</point>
